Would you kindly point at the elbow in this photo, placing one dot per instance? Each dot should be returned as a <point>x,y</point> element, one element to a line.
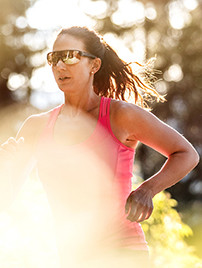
<point>190,156</point>
<point>197,159</point>
<point>194,157</point>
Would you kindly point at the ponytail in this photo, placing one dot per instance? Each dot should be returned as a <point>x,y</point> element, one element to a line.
<point>117,80</point>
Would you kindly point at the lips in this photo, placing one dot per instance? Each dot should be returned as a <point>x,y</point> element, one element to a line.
<point>63,78</point>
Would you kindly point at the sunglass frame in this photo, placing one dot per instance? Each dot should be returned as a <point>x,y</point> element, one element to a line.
<point>62,55</point>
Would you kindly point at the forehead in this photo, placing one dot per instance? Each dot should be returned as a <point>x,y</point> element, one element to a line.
<point>66,41</point>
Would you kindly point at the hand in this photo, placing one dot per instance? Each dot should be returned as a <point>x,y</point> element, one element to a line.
<point>139,205</point>
<point>11,146</point>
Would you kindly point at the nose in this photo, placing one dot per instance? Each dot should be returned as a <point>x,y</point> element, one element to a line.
<point>60,65</point>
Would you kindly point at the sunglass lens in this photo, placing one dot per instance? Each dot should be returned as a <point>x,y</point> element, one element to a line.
<point>52,58</point>
<point>67,56</point>
<point>71,57</point>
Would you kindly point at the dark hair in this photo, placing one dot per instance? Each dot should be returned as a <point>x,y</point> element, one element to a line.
<point>115,78</point>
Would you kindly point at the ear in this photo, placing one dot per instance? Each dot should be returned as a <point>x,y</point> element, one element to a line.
<point>96,64</point>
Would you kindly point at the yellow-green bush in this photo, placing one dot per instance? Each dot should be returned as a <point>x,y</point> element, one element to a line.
<point>166,233</point>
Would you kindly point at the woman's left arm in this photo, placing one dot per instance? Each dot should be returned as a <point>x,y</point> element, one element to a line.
<point>143,126</point>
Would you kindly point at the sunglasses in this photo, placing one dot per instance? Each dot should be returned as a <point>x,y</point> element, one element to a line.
<point>67,56</point>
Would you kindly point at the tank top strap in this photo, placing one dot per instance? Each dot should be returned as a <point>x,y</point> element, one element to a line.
<point>48,130</point>
<point>105,106</point>
<point>53,117</point>
<point>104,111</point>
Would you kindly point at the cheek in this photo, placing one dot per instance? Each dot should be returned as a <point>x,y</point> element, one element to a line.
<point>83,72</point>
<point>87,73</point>
<point>86,66</point>
<point>53,71</point>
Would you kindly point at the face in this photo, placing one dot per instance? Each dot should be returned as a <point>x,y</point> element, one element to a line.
<point>77,77</point>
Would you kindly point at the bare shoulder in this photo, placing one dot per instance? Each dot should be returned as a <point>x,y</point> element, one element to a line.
<point>126,119</point>
<point>141,125</point>
<point>125,113</point>
<point>33,126</point>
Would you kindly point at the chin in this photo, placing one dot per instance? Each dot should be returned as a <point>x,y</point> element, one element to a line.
<point>65,89</point>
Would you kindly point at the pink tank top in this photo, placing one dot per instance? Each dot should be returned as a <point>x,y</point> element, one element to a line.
<point>121,160</point>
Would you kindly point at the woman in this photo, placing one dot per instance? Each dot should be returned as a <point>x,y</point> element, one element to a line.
<point>94,81</point>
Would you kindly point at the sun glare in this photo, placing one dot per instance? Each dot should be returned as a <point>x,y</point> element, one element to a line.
<point>179,17</point>
<point>135,13</point>
<point>26,228</point>
<point>50,14</point>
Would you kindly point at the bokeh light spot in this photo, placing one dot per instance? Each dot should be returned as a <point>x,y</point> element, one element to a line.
<point>174,73</point>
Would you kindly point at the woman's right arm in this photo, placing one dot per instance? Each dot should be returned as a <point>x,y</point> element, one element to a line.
<point>17,159</point>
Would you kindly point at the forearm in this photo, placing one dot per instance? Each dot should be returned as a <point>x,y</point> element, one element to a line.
<point>175,168</point>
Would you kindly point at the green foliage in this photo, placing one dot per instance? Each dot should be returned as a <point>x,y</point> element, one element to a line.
<point>166,233</point>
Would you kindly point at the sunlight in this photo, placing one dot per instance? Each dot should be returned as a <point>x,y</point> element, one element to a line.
<point>174,73</point>
<point>49,14</point>
<point>128,49</point>
<point>12,238</point>
<point>161,87</point>
<point>16,81</point>
<point>97,8</point>
<point>135,13</point>
<point>150,12</point>
<point>45,93</point>
<point>35,41</point>
<point>119,46</point>
<point>190,4</point>
<point>26,229</point>
<point>21,22</point>
<point>39,76</point>
<point>178,16</point>
<point>23,225</point>
<point>37,59</point>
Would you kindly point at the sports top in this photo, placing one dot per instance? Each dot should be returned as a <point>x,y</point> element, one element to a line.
<point>121,159</point>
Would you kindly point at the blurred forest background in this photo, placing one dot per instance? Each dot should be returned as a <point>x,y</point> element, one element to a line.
<point>171,30</point>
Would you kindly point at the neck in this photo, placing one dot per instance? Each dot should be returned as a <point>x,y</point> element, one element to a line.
<point>75,104</point>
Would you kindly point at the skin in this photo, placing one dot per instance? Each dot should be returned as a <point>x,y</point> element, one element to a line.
<point>129,123</point>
